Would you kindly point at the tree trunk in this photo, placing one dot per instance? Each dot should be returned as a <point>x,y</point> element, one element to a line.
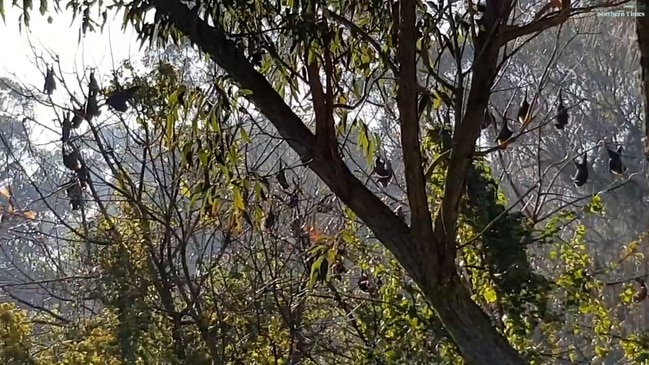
<point>470,327</point>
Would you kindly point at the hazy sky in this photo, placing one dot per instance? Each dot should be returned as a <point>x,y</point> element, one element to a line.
<point>61,37</point>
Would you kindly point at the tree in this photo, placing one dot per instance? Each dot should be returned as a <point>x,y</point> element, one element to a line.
<point>432,266</point>
<point>319,41</point>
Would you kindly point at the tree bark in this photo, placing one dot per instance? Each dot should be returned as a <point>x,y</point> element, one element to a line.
<point>470,327</point>
<point>420,252</point>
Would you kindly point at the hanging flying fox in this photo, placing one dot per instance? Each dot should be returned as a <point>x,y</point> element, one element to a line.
<point>119,99</point>
<point>504,135</point>
<point>524,110</point>
<point>383,171</point>
<point>562,113</point>
<point>615,164</point>
<point>582,171</point>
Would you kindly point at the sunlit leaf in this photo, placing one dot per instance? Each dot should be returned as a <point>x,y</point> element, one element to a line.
<point>185,190</point>
<point>315,271</point>
<point>437,103</point>
<point>490,295</point>
<point>364,139</point>
<point>238,199</point>
<point>169,128</point>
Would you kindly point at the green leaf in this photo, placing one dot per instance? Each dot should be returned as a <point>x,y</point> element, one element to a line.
<point>342,126</point>
<point>586,309</point>
<point>173,98</point>
<point>310,57</point>
<point>315,270</point>
<point>194,198</point>
<point>437,103</point>
<point>245,136</point>
<point>43,7</point>
<point>203,156</point>
<point>214,123</point>
<point>490,295</point>
<point>186,150</point>
<point>169,128</point>
<point>185,190</point>
<point>365,58</point>
<point>596,205</point>
<point>364,139</point>
<point>356,87</point>
<point>238,199</point>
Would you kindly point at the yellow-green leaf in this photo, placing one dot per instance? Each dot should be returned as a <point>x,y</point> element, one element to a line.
<point>437,103</point>
<point>245,136</point>
<point>490,295</point>
<point>238,200</point>
<point>184,189</point>
<point>203,156</point>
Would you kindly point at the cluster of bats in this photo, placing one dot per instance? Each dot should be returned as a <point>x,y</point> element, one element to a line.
<point>383,172</point>
<point>310,239</point>
<point>72,159</point>
<point>504,138</point>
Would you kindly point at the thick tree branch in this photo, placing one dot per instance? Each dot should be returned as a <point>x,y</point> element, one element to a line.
<point>421,227</point>
<point>322,116</point>
<point>464,140</point>
<point>459,312</point>
<point>508,33</point>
